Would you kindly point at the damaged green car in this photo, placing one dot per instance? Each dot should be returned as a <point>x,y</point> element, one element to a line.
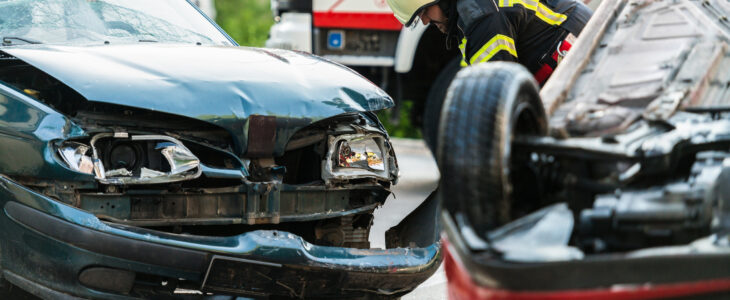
<point>143,154</point>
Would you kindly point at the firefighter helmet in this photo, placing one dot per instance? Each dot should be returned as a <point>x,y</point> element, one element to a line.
<point>407,10</point>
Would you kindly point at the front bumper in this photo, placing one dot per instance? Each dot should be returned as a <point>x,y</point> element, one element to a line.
<point>49,245</point>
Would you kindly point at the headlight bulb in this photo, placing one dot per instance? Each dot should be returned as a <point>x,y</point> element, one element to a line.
<point>361,153</point>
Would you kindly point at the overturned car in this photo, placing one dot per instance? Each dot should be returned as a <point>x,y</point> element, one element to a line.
<point>143,154</point>
<point>612,182</point>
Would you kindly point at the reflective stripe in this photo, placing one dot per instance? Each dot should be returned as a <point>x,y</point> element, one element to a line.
<point>541,11</point>
<point>462,48</point>
<point>497,43</point>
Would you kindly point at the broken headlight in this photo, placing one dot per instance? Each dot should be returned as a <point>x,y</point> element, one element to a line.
<point>118,158</point>
<point>77,157</point>
<point>358,156</point>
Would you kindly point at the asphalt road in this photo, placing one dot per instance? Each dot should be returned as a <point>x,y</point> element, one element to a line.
<point>418,178</point>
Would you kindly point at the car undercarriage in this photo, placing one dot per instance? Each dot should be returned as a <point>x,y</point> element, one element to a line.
<point>618,168</point>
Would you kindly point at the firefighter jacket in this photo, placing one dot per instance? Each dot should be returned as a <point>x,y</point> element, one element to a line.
<point>524,31</point>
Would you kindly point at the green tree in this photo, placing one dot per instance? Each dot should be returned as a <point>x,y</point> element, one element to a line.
<point>246,21</point>
<point>403,128</point>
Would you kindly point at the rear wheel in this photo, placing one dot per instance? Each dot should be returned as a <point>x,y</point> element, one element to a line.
<point>486,107</point>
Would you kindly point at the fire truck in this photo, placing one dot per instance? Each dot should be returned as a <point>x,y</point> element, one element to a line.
<point>409,63</point>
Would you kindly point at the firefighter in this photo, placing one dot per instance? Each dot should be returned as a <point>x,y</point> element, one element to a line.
<point>531,32</point>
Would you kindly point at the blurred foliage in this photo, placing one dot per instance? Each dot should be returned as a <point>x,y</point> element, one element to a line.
<point>403,128</point>
<point>246,21</point>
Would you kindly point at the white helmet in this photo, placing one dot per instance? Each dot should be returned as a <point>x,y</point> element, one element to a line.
<point>407,10</point>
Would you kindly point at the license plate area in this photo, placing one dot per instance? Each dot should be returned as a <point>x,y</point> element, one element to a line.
<point>262,279</point>
<point>239,276</point>
<point>355,42</point>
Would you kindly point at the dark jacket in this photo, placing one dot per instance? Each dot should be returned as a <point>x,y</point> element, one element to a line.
<point>524,31</point>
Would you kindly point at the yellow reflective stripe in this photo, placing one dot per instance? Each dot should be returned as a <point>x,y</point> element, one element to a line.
<point>462,48</point>
<point>547,15</point>
<point>541,11</point>
<point>497,43</point>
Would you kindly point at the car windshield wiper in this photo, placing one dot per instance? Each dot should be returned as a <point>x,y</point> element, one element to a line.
<point>8,40</point>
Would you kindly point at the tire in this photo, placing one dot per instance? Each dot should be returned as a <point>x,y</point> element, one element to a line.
<point>486,106</point>
<point>435,101</point>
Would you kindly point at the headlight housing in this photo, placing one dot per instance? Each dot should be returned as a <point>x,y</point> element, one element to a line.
<point>354,156</point>
<point>135,159</point>
<point>77,157</point>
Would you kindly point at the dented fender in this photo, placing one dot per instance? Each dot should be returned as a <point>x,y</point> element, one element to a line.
<point>27,129</point>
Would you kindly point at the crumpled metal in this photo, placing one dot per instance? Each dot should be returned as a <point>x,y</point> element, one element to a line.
<point>220,85</point>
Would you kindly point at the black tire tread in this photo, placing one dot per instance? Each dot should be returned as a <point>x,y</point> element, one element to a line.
<point>476,124</point>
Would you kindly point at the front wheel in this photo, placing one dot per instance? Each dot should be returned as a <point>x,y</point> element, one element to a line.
<point>486,106</point>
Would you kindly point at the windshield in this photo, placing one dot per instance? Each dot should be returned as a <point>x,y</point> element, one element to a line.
<point>114,21</point>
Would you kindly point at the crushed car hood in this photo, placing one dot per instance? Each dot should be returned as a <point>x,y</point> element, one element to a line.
<point>220,85</point>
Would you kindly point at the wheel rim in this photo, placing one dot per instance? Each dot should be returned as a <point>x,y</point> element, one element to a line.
<point>524,121</point>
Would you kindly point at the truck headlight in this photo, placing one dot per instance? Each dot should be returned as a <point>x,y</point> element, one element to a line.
<point>358,156</point>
